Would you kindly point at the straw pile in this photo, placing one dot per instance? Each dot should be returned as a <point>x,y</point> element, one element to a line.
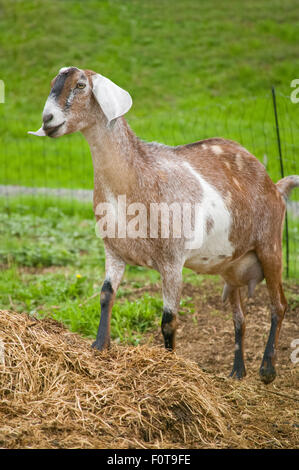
<point>57,392</point>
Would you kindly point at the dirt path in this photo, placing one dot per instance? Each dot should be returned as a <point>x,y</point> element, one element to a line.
<point>207,335</point>
<point>8,190</point>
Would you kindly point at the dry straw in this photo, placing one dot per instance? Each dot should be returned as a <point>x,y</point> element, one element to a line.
<point>55,391</point>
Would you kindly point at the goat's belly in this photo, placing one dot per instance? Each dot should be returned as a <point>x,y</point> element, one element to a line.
<point>208,264</point>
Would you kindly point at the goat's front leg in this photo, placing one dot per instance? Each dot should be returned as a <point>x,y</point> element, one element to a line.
<point>171,287</point>
<point>114,272</point>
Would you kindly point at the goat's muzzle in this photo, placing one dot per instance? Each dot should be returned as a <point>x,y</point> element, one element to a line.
<point>47,117</point>
<point>51,130</point>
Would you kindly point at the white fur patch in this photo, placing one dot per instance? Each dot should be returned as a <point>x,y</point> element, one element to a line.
<point>216,242</point>
<point>216,149</point>
<point>52,107</point>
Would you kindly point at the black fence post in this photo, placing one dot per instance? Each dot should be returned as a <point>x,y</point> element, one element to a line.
<point>282,174</point>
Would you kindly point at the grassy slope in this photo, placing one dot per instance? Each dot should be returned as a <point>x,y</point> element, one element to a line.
<point>192,67</point>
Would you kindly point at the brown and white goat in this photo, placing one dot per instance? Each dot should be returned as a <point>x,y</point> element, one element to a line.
<point>240,210</point>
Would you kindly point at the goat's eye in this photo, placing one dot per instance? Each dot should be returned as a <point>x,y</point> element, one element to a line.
<point>80,85</point>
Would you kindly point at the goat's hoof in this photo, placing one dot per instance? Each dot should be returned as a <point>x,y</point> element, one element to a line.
<point>267,374</point>
<point>99,347</point>
<point>267,370</point>
<point>238,374</point>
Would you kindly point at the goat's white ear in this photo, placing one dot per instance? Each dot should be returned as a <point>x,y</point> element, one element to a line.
<point>39,133</point>
<point>113,100</point>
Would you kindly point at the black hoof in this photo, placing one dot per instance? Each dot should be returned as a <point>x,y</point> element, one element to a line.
<point>168,345</point>
<point>238,374</point>
<point>99,347</point>
<point>268,374</point>
<point>267,370</point>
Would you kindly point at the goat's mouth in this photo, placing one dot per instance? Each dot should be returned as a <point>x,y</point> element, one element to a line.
<point>50,131</point>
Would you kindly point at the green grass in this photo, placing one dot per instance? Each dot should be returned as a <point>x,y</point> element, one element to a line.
<point>25,204</point>
<point>194,69</point>
<point>75,301</point>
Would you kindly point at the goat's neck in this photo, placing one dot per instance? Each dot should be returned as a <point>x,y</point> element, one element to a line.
<point>113,150</point>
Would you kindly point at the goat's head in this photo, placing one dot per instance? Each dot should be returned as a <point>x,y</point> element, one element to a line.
<point>74,95</point>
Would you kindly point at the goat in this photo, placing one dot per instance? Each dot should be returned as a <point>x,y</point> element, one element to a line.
<point>240,210</point>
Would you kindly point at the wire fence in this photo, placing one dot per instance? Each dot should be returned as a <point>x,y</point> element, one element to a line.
<point>61,169</point>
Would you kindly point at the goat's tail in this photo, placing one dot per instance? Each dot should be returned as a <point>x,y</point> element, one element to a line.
<point>286,185</point>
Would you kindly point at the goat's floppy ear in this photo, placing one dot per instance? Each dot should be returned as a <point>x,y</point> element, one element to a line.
<point>113,100</point>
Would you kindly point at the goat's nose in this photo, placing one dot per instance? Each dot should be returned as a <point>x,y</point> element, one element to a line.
<point>47,117</point>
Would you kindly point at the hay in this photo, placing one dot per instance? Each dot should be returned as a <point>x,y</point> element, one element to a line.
<point>56,392</point>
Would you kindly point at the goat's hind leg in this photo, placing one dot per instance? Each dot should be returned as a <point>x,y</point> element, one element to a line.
<point>272,266</point>
<point>278,308</point>
<point>234,295</point>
